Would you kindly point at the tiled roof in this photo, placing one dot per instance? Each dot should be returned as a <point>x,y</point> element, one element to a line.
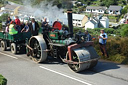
<point>11,7</point>
<point>96,7</point>
<point>114,7</point>
<point>78,16</point>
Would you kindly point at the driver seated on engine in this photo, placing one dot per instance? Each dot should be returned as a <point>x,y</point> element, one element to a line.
<point>65,31</point>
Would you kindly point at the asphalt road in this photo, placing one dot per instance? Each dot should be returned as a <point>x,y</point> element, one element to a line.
<point>20,70</point>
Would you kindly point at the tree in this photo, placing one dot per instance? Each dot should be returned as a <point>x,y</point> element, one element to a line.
<point>124,31</point>
<point>125,10</point>
<point>3,17</point>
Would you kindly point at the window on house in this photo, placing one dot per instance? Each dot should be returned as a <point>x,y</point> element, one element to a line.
<point>116,11</point>
<point>93,9</point>
<point>110,10</point>
<point>88,9</point>
<point>79,24</point>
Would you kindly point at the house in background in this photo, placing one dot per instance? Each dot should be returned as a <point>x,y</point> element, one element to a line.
<point>91,24</point>
<point>114,10</point>
<point>96,9</point>
<point>9,9</point>
<point>74,2</point>
<point>79,20</point>
<point>102,22</point>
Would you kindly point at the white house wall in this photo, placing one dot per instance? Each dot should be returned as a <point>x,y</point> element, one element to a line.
<point>114,12</point>
<point>89,25</point>
<point>77,23</point>
<point>95,11</point>
<point>105,23</point>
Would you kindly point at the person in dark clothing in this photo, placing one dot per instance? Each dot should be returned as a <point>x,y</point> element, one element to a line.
<point>8,21</point>
<point>44,24</point>
<point>34,27</point>
<point>22,25</point>
<point>88,36</point>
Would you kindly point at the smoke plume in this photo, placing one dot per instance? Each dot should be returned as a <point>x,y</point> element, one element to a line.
<point>46,9</point>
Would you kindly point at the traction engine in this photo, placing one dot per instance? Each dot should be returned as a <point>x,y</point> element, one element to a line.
<point>61,42</point>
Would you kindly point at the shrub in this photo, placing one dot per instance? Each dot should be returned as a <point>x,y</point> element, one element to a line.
<point>124,46</point>
<point>124,30</point>
<point>117,48</point>
<point>3,81</point>
<point>75,30</point>
<point>3,17</point>
<point>0,26</point>
<point>124,11</point>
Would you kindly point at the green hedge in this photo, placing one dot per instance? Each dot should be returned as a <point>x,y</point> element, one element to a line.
<point>0,26</point>
<point>117,48</point>
<point>3,81</point>
<point>76,29</point>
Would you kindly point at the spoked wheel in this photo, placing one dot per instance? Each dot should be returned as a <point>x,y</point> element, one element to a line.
<point>36,50</point>
<point>79,56</point>
<point>3,45</point>
<point>74,67</point>
<point>13,48</point>
<point>38,45</point>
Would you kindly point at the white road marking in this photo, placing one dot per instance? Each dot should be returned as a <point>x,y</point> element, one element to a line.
<point>8,55</point>
<point>65,75</point>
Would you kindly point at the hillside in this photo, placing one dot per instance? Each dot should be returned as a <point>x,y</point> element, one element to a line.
<point>16,1</point>
<point>63,3</point>
<point>103,2</point>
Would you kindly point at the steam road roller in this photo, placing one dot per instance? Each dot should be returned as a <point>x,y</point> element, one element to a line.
<point>62,43</point>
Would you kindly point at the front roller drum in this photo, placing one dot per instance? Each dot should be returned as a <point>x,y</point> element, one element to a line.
<point>81,56</point>
<point>38,45</point>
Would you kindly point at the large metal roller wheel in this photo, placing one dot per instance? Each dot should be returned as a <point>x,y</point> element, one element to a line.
<point>94,55</point>
<point>93,64</point>
<point>3,45</point>
<point>38,44</point>
<point>81,55</point>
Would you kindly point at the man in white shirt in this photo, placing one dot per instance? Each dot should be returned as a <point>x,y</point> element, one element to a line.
<point>102,41</point>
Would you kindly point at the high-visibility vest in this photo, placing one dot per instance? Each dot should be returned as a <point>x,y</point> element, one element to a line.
<point>12,31</point>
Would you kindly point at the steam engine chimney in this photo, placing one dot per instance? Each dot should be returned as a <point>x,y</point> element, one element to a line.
<point>70,24</point>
